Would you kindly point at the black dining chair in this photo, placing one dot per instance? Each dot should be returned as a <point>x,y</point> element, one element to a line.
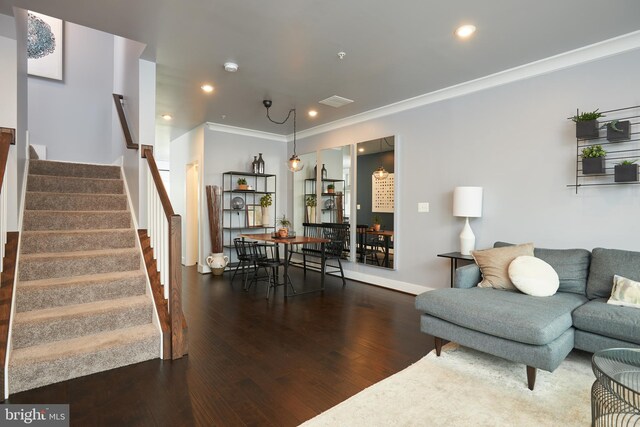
<point>367,248</point>
<point>245,257</point>
<point>267,258</point>
<point>337,234</point>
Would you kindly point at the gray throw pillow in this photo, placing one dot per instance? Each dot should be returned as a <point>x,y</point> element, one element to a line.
<point>572,266</point>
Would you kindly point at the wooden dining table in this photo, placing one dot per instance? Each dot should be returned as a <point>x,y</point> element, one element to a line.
<point>290,241</point>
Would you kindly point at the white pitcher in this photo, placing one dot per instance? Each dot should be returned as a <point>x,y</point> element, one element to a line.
<point>217,263</point>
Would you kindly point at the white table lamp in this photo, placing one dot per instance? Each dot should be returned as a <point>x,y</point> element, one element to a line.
<point>467,203</point>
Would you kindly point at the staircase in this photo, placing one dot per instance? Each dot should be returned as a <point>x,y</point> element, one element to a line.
<point>81,301</point>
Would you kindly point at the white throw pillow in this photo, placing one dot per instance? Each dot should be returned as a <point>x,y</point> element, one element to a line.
<point>625,292</point>
<point>533,276</point>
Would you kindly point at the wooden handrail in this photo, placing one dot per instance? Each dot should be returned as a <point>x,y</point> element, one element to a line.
<point>157,180</point>
<point>7,138</point>
<point>174,277</point>
<point>123,122</point>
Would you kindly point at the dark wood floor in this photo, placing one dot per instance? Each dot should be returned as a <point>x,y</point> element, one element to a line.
<point>255,362</point>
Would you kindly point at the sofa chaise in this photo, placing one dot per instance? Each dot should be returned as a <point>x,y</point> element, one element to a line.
<point>538,331</point>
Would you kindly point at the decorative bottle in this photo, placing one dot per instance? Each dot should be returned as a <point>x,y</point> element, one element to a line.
<point>254,164</point>
<point>324,172</point>
<point>260,164</point>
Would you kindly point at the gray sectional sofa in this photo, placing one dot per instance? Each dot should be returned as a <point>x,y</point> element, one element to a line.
<point>538,331</point>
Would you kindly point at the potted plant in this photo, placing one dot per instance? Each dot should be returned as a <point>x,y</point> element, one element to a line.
<point>593,159</point>
<point>311,202</point>
<point>331,188</point>
<point>284,223</point>
<point>618,130</point>
<point>626,171</point>
<point>587,124</point>
<point>376,222</point>
<point>242,184</point>
<point>265,202</point>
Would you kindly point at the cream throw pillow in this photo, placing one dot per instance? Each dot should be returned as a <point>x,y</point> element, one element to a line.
<point>533,276</point>
<point>494,264</point>
<point>625,292</point>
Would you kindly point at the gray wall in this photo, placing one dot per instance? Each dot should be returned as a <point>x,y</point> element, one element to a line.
<point>513,140</point>
<point>22,97</point>
<point>73,117</point>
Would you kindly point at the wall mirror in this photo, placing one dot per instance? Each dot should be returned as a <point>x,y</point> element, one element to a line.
<point>333,187</point>
<point>304,203</point>
<point>375,202</point>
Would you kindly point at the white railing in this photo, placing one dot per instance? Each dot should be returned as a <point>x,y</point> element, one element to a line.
<point>6,140</point>
<point>164,229</point>
<point>157,229</point>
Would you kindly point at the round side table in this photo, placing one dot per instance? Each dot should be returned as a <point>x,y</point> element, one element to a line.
<point>615,395</point>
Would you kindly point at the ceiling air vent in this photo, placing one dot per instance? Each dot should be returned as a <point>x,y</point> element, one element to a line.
<point>336,101</point>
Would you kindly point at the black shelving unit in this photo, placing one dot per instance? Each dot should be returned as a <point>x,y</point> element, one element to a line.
<point>238,221</point>
<point>327,214</point>
<point>617,151</point>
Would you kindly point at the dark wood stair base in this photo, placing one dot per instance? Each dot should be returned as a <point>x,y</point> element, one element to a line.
<point>531,371</point>
<point>160,302</point>
<point>6,295</point>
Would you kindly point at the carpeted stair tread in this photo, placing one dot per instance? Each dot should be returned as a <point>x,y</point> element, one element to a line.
<point>63,264</point>
<point>47,293</point>
<point>82,220</point>
<point>76,240</point>
<point>75,202</point>
<point>59,323</point>
<point>68,184</point>
<point>80,170</point>
<point>53,362</point>
<point>81,302</point>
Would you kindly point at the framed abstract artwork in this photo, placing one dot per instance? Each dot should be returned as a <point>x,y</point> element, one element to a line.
<point>45,45</point>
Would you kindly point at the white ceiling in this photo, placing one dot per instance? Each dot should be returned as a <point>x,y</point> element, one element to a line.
<point>287,49</point>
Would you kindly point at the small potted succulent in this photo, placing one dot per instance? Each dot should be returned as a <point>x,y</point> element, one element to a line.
<point>626,171</point>
<point>331,188</point>
<point>587,124</point>
<point>593,159</point>
<point>265,202</point>
<point>284,224</point>
<point>376,222</point>
<point>242,184</point>
<point>618,130</point>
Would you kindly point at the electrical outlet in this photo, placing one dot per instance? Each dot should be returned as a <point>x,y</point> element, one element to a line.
<point>423,207</point>
<point>358,206</point>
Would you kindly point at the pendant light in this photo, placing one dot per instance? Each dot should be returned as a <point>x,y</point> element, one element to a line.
<point>294,164</point>
<point>381,173</point>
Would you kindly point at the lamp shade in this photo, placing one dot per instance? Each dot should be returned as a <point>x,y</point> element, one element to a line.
<point>467,202</point>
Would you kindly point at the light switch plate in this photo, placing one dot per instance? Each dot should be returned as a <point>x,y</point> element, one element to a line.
<point>423,207</point>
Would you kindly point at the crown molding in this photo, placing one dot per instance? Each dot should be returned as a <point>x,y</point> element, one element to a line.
<point>246,132</point>
<point>603,49</point>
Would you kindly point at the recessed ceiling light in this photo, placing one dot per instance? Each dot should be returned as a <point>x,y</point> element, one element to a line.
<point>313,113</point>
<point>465,31</point>
<point>231,67</point>
<point>207,88</point>
<point>361,150</point>
<point>167,117</point>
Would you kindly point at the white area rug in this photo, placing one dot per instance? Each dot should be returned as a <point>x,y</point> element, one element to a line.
<point>464,387</point>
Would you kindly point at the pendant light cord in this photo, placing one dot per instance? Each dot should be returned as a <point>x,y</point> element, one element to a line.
<point>293,110</point>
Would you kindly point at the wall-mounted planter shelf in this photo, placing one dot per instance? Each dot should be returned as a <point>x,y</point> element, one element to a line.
<point>620,131</point>
<point>620,145</point>
<point>625,173</point>
<point>587,130</point>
